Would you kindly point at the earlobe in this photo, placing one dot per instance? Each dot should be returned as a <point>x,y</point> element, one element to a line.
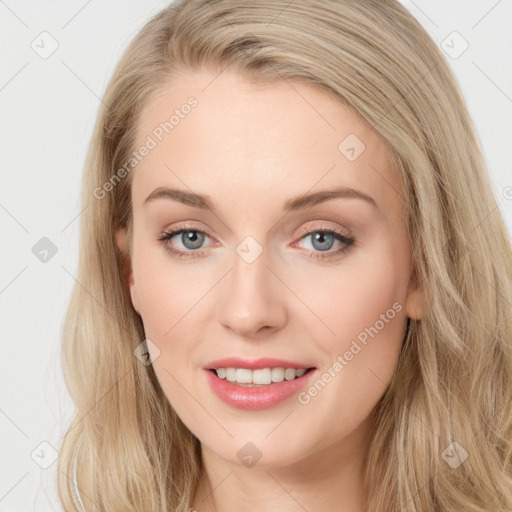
<point>416,306</point>
<point>127,271</point>
<point>415,303</point>
<point>133,293</point>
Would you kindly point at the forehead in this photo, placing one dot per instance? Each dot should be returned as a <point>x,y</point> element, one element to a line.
<point>248,141</point>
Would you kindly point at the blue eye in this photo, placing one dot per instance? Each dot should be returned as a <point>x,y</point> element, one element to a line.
<point>323,240</point>
<point>192,239</point>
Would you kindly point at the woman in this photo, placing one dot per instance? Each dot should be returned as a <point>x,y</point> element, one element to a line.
<point>294,281</point>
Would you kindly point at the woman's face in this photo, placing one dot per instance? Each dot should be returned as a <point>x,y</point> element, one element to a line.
<point>290,253</point>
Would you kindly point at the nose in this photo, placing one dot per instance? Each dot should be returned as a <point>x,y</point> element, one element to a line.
<point>252,299</point>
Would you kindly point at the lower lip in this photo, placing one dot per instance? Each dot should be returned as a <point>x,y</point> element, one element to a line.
<point>255,398</point>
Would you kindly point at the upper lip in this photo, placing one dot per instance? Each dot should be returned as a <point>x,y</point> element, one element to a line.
<point>254,364</point>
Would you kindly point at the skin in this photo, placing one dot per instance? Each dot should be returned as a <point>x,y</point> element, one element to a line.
<point>251,148</point>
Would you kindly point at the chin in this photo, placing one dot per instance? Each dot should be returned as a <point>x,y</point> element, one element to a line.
<point>259,449</point>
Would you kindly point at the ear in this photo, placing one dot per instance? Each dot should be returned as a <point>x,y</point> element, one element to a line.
<point>127,271</point>
<point>416,304</point>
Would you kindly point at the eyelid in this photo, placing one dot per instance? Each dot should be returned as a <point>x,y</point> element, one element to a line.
<point>303,231</point>
<point>342,237</point>
<point>185,226</point>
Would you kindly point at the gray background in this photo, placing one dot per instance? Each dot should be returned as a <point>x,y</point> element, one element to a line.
<point>49,104</point>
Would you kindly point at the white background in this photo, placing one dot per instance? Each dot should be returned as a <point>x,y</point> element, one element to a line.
<point>48,107</point>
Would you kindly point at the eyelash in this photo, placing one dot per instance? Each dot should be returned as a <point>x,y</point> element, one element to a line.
<point>319,255</point>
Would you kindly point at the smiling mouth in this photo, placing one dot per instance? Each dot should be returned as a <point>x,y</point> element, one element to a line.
<point>260,377</point>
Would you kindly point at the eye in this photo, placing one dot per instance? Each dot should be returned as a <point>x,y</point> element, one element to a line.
<point>189,237</point>
<point>323,239</point>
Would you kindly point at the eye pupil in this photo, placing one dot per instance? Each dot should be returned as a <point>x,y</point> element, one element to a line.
<point>193,237</point>
<point>321,237</point>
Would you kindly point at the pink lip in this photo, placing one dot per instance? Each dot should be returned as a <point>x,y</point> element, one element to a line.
<point>254,364</point>
<point>255,398</point>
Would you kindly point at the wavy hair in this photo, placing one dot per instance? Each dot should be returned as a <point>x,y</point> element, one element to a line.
<point>450,398</point>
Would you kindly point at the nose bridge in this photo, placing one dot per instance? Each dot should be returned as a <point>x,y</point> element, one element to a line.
<point>251,298</point>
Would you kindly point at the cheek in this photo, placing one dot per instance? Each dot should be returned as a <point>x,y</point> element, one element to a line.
<point>155,298</point>
<point>362,298</point>
<point>167,299</point>
<point>164,292</point>
<point>364,309</point>
<point>364,306</point>
<point>171,297</point>
<point>356,295</point>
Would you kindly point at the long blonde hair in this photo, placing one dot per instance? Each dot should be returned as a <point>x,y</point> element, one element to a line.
<point>450,398</point>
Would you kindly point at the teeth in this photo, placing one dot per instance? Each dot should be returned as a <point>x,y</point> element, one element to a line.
<point>289,374</point>
<point>261,376</point>
<point>264,376</point>
<point>277,374</point>
<point>230,374</point>
<point>243,376</point>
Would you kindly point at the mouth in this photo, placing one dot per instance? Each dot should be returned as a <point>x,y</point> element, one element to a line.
<point>257,384</point>
<point>262,377</point>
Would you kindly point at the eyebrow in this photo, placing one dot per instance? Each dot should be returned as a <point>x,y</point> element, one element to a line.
<point>301,202</point>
